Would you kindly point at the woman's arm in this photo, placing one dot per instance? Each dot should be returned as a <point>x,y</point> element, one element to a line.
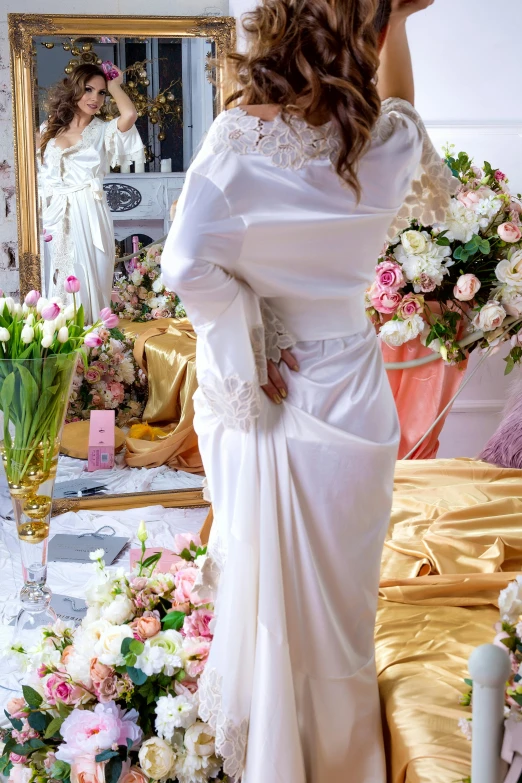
<point>395,76</point>
<point>128,113</point>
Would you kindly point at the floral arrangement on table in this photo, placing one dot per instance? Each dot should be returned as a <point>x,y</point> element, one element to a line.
<point>117,698</point>
<point>140,294</point>
<point>110,379</point>
<point>470,264</point>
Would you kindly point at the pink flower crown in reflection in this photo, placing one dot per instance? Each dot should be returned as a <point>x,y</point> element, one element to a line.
<point>110,70</point>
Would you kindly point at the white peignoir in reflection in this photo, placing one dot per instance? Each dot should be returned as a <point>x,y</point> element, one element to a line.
<point>270,249</point>
<point>75,212</point>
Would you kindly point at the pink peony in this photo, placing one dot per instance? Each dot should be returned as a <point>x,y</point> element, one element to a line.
<point>59,688</point>
<point>184,581</point>
<point>86,733</point>
<point>196,651</point>
<point>466,288</point>
<point>50,311</point>
<point>410,305</point>
<point>93,340</point>
<point>389,275</point>
<point>32,298</point>
<point>509,232</point>
<point>384,301</point>
<point>16,707</point>
<point>116,390</point>
<point>197,623</point>
<point>183,541</point>
<point>72,284</point>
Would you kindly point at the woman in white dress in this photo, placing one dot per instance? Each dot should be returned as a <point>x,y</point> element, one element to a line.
<point>274,242</point>
<point>77,150</point>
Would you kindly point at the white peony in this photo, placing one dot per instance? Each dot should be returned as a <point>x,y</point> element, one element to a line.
<point>509,271</point>
<point>510,601</point>
<point>78,666</point>
<point>433,261</point>
<point>396,333</point>
<point>158,285</point>
<point>119,610</point>
<point>461,222</point>
<point>490,317</point>
<point>191,768</point>
<point>126,371</point>
<point>156,758</point>
<point>199,739</point>
<point>175,712</point>
<point>415,242</point>
<point>108,648</point>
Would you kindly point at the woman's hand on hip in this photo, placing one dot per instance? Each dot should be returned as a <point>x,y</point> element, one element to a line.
<point>276,389</point>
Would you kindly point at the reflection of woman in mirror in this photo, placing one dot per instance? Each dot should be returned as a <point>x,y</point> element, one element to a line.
<point>77,150</point>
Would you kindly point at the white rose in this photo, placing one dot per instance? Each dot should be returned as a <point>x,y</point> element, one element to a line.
<point>510,601</point>
<point>108,648</point>
<point>199,739</point>
<point>512,301</point>
<point>156,758</point>
<point>119,610</point>
<point>509,271</point>
<point>490,317</point>
<point>27,334</point>
<point>414,242</point>
<point>396,333</point>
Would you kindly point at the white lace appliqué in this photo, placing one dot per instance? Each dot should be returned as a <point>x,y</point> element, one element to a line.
<point>231,738</point>
<point>289,144</point>
<point>277,338</point>
<point>233,401</point>
<point>431,191</point>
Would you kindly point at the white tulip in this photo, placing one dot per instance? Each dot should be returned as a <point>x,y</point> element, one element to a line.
<point>27,335</point>
<point>63,334</point>
<point>4,335</point>
<point>25,309</point>
<point>69,312</point>
<point>59,321</point>
<point>2,304</point>
<point>30,319</point>
<point>42,302</point>
<point>10,303</point>
<point>49,327</point>
<point>47,340</point>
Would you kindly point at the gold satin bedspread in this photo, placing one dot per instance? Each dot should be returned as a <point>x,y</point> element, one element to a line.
<point>455,541</point>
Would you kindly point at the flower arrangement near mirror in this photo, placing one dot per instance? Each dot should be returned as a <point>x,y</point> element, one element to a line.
<point>470,264</point>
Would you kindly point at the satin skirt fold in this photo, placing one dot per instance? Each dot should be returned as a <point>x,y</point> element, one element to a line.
<point>302,505</point>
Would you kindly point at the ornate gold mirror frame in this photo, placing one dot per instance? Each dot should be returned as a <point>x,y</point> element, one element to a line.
<point>22,29</point>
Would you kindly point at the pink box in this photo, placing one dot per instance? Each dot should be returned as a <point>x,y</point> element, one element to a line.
<point>167,559</point>
<point>101,440</point>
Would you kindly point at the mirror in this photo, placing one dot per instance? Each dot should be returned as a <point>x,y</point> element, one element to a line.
<point>91,195</point>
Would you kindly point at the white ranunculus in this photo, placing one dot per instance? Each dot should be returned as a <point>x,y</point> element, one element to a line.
<point>4,335</point>
<point>509,271</point>
<point>199,739</point>
<point>510,601</point>
<point>396,333</point>
<point>63,334</point>
<point>415,242</point>
<point>512,301</point>
<point>27,334</point>
<point>119,610</point>
<point>156,758</point>
<point>490,317</point>
<point>47,340</point>
<point>108,648</point>
<point>162,653</point>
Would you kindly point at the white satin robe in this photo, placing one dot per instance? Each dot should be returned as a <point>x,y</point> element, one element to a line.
<point>268,242</point>
<point>76,214</point>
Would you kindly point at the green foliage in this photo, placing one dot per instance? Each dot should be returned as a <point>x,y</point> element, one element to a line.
<point>32,697</point>
<point>173,620</point>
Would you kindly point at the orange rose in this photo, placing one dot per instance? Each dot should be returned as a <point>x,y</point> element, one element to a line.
<point>147,627</point>
<point>99,671</point>
<point>86,770</point>
<point>134,775</point>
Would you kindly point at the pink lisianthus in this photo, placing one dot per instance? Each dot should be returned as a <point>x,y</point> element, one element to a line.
<point>383,300</point>
<point>196,651</point>
<point>86,732</point>
<point>197,624</point>
<point>72,284</point>
<point>410,305</point>
<point>509,232</point>
<point>59,688</point>
<point>466,288</point>
<point>93,340</point>
<point>183,541</point>
<point>389,275</point>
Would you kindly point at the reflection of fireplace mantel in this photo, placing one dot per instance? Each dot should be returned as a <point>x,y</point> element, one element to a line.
<point>140,203</point>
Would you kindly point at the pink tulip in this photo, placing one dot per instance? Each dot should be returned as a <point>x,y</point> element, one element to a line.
<point>50,311</point>
<point>32,298</point>
<point>93,340</point>
<point>110,319</point>
<point>72,285</point>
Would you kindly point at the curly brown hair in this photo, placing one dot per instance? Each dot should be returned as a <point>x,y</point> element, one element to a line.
<point>317,59</point>
<point>63,99</point>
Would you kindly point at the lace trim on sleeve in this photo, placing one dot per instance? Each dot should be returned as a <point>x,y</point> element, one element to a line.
<point>277,338</point>
<point>433,185</point>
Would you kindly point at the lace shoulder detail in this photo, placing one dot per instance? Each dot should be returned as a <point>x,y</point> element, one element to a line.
<point>433,186</point>
<point>277,338</point>
<point>231,738</point>
<point>289,144</point>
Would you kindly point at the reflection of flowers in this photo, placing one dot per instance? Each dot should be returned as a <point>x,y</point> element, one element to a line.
<point>140,294</point>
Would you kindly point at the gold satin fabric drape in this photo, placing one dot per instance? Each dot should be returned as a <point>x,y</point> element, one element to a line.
<point>455,541</point>
<point>166,351</point>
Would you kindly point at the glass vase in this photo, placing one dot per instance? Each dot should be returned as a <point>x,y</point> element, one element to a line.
<point>34,395</point>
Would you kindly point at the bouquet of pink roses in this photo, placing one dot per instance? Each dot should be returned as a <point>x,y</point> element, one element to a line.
<point>470,265</point>
<point>140,294</point>
<point>117,698</point>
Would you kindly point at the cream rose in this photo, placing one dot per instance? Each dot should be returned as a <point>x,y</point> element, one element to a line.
<point>108,648</point>
<point>414,242</point>
<point>156,758</point>
<point>396,333</point>
<point>512,302</point>
<point>510,601</point>
<point>509,271</point>
<point>467,287</point>
<point>119,610</point>
<point>490,317</point>
<point>199,739</point>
